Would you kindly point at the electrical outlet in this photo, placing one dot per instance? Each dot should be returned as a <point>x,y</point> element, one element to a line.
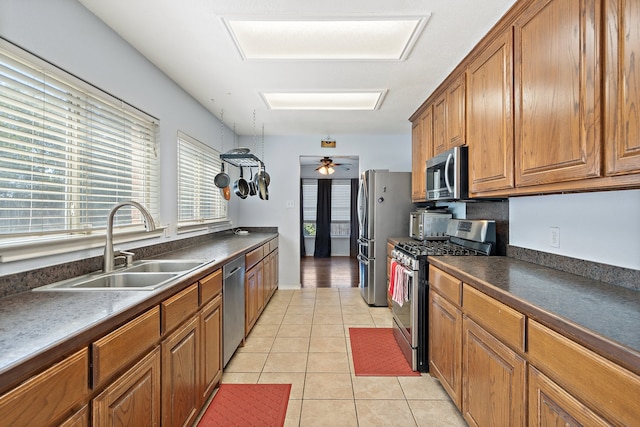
<point>554,237</point>
<point>290,204</point>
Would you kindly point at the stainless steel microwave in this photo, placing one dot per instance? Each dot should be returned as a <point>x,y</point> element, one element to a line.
<point>447,175</point>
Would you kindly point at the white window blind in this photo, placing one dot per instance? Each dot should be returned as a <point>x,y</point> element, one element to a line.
<point>68,152</point>
<point>199,200</point>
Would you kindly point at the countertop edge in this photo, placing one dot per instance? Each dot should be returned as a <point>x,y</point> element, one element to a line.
<point>610,349</point>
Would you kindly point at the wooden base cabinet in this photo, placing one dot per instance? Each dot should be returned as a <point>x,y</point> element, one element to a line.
<point>211,357</point>
<point>134,398</point>
<point>551,405</point>
<point>445,345</point>
<point>494,379</point>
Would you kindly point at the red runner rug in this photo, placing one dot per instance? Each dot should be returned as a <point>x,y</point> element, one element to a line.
<point>248,405</point>
<point>376,353</point>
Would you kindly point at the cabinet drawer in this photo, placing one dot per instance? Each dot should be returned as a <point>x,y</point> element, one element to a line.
<point>604,386</point>
<point>501,320</point>
<point>179,307</point>
<point>273,245</point>
<point>445,284</point>
<point>44,398</point>
<point>254,257</point>
<point>121,347</point>
<point>210,286</point>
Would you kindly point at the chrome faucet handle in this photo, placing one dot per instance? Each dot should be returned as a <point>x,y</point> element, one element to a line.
<point>127,256</point>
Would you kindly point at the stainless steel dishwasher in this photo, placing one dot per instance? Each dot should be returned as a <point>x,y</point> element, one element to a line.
<point>232,307</point>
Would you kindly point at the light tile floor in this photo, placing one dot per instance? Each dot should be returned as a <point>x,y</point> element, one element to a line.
<point>302,338</point>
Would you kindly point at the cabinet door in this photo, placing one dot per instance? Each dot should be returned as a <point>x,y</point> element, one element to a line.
<point>78,419</point>
<point>494,392</point>
<point>550,405</point>
<point>440,143</point>
<point>445,345</point>
<point>211,346</point>
<point>268,276</point>
<point>490,117</point>
<point>251,298</point>
<point>557,92</point>
<point>455,113</point>
<point>134,398</point>
<point>417,165</point>
<point>180,375</point>
<point>622,86</point>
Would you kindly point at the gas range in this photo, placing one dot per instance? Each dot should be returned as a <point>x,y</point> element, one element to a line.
<point>464,238</point>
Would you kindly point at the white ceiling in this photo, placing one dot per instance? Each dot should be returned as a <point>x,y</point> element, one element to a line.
<point>188,41</point>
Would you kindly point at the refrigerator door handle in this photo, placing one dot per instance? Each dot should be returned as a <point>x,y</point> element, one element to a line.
<point>363,260</point>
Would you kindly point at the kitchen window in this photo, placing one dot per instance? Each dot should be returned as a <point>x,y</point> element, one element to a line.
<point>69,152</point>
<point>199,200</point>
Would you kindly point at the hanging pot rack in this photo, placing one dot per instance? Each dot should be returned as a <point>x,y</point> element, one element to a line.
<point>242,160</point>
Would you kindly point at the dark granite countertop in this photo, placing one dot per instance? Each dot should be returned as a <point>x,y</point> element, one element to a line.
<point>600,316</point>
<point>37,328</point>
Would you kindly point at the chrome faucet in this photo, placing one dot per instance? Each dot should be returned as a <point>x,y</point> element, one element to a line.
<point>108,246</point>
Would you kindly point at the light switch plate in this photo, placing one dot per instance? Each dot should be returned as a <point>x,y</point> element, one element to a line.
<point>554,237</point>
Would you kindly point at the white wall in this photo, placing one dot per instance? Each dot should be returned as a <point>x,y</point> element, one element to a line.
<point>64,33</point>
<point>602,226</point>
<point>282,159</point>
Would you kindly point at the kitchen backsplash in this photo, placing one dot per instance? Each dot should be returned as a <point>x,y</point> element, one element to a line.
<point>498,211</point>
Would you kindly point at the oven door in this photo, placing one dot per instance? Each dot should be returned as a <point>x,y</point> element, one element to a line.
<point>405,319</point>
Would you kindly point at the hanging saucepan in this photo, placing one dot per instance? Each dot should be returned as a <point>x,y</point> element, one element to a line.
<point>241,186</point>
<point>222,179</point>
<point>253,187</point>
<point>263,184</point>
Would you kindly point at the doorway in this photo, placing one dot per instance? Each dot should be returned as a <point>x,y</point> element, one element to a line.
<point>328,228</point>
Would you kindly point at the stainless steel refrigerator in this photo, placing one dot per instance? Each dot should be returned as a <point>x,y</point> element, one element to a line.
<point>384,204</point>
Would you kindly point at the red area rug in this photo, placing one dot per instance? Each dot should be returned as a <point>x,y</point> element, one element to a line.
<point>376,353</point>
<point>248,405</point>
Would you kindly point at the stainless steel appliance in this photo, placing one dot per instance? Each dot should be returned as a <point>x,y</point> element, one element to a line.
<point>427,224</point>
<point>384,202</point>
<point>447,175</point>
<point>232,307</point>
<point>409,271</point>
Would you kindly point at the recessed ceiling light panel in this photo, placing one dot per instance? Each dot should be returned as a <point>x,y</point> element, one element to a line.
<point>321,39</point>
<point>323,100</point>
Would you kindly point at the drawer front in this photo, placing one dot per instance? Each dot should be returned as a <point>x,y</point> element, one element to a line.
<point>273,245</point>
<point>210,286</point>
<point>445,284</point>
<point>499,319</point>
<point>179,307</point>
<point>254,257</point>
<point>48,396</point>
<point>121,347</point>
<point>603,386</point>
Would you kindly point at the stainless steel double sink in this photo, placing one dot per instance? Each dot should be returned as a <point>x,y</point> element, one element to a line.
<point>141,275</point>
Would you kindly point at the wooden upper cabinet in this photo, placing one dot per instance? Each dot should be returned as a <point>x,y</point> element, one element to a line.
<point>455,113</point>
<point>449,119</point>
<point>490,117</point>
<point>557,92</point>
<point>440,143</point>
<point>622,86</point>
<point>421,150</point>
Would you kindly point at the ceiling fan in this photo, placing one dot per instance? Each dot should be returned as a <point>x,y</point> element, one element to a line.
<point>327,167</point>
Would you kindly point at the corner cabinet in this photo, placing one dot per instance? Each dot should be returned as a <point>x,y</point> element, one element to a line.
<point>622,86</point>
<point>557,97</point>
<point>490,117</point>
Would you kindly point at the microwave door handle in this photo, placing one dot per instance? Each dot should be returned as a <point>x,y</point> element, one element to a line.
<point>446,173</point>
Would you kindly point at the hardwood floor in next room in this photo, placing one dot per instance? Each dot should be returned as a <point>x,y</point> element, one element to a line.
<point>333,272</point>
